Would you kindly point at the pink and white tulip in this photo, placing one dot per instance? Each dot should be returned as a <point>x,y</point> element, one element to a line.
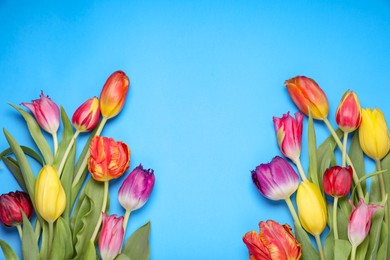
<point>289,134</point>
<point>46,112</point>
<point>111,237</point>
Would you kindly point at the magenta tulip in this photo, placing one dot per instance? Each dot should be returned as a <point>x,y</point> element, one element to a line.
<point>289,134</point>
<point>360,221</point>
<point>46,112</point>
<point>276,180</point>
<point>136,188</point>
<point>111,237</point>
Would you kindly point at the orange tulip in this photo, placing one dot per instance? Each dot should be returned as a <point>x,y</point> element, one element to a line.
<point>275,241</point>
<point>113,95</point>
<point>108,159</point>
<point>306,95</point>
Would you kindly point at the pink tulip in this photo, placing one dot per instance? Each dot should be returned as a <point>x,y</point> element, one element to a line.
<point>360,221</point>
<point>136,188</point>
<point>46,112</point>
<point>111,236</point>
<point>289,134</point>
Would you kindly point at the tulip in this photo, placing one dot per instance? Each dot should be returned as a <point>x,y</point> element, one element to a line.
<point>113,95</point>
<point>306,94</point>
<point>11,207</point>
<point>373,134</point>
<point>359,223</point>
<point>337,181</point>
<point>108,159</point>
<point>50,199</point>
<point>289,134</point>
<point>348,114</point>
<point>311,208</point>
<point>275,241</point>
<point>86,117</point>
<point>111,237</point>
<point>276,180</point>
<point>46,112</point>
<point>136,188</point>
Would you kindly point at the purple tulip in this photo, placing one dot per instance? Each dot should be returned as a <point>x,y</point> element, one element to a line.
<point>111,237</point>
<point>360,221</point>
<point>136,188</point>
<point>276,180</point>
<point>46,112</point>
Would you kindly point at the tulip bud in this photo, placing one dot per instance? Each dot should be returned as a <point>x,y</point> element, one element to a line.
<point>113,95</point>
<point>11,207</point>
<point>374,134</point>
<point>306,95</point>
<point>108,159</point>
<point>337,181</point>
<point>111,237</point>
<point>276,180</point>
<point>136,188</point>
<point>86,117</point>
<point>289,135</point>
<point>275,241</point>
<point>46,112</point>
<point>50,199</point>
<point>311,208</point>
<point>360,221</point>
<point>348,114</point>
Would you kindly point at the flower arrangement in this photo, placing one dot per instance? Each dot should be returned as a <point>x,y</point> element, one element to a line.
<point>72,209</point>
<point>329,193</point>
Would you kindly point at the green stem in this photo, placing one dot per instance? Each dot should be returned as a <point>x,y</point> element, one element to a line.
<point>319,245</point>
<point>20,231</point>
<point>50,239</point>
<point>382,187</point>
<point>37,229</point>
<point>55,142</point>
<point>104,205</point>
<point>344,152</point>
<point>353,253</point>
<point>340,145</point>
<point>70,145</point>
<point>85,159</point>
<point>125,221</point>
<point>292,211</point>
<point>335,228</point>
<point>300,169</point>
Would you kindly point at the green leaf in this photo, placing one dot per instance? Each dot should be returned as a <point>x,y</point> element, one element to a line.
<point>329,240</point>
<point>122,257</point>
<point>86,215</point>
<point>8,251</point>
<point>382,250</point>
<point>67,135</point>
<point>13,167</point>
<point>27,173</point>
<point>62,247</point>
<point>342,249</point>
<point>28,151</point>
<point>361,251</point>
<point>29,241</point>
<point>308,251</point>
<point>37,135</point>
<point>357,157</point>
<point>90,253</point>
<point>313,168</point>
<point>375,232</point>
<point>386,177</point>
<point>137,246</point>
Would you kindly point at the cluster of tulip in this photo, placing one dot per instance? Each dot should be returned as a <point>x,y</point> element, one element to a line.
<point>330,194</point>
<point>70,208</point>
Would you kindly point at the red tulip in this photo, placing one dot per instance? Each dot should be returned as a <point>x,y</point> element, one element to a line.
<point>337,181</point>
<point>348,114</point>
<point>11,207</point>
<point>86,117</point>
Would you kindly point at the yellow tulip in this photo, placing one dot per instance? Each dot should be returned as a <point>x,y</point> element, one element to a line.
<point>311,208</point>
<point>50,199</point>
<point>374,134</point>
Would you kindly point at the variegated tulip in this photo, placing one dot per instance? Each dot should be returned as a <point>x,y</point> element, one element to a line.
<point>348,114</point>
<point>86,117</point>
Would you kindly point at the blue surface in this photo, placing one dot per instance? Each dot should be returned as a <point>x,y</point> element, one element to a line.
<point>206,79</point>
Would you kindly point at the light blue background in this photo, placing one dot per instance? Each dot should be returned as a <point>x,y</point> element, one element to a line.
<point>206,79</point>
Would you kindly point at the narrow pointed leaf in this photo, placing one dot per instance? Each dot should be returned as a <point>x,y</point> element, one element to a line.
<point>8,252</point>
<point>13,167</point>
<point>29,241</point>
<point>62,247</point>
<point>312,149</point>
<point>308,251</point>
